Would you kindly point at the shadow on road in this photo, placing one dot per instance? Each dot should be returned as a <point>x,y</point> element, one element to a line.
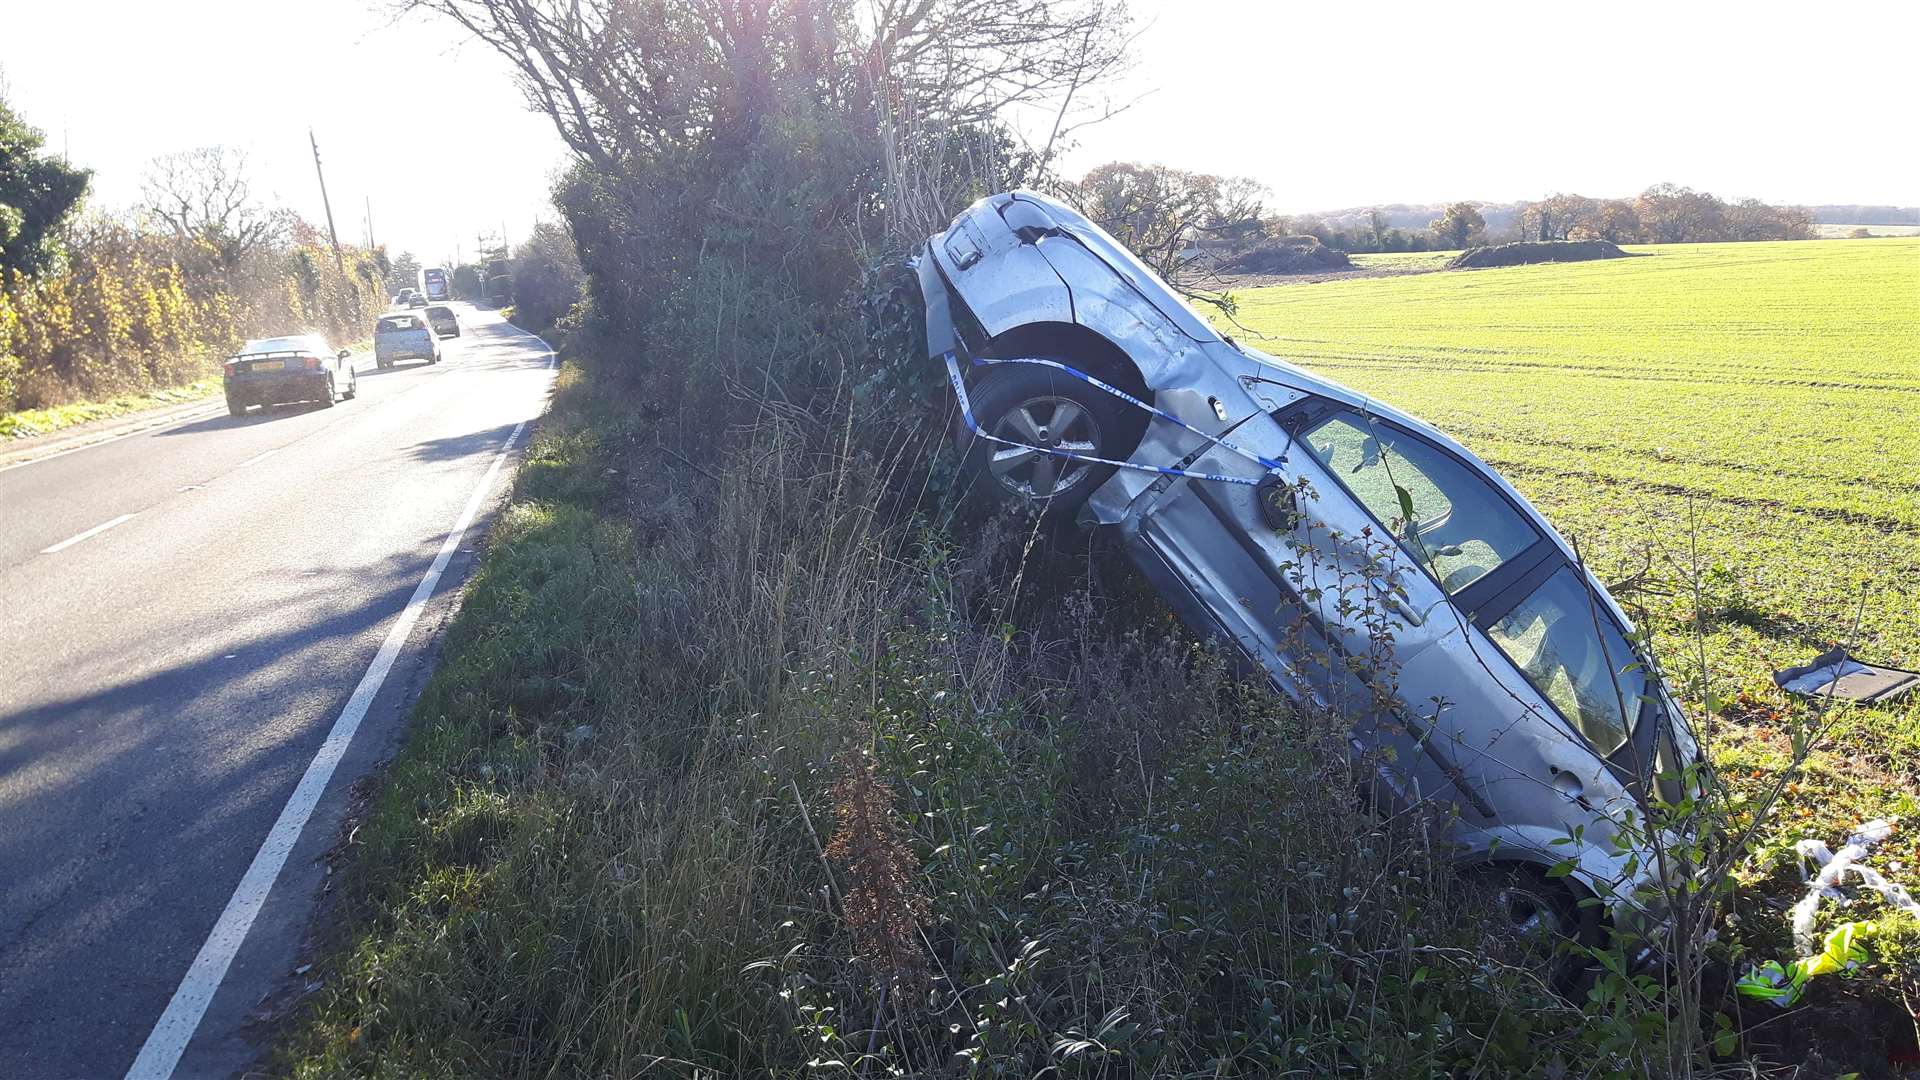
<point>456,447</point>
<point>399,366</point>
<point>138,803</point>
<point>262,415</point>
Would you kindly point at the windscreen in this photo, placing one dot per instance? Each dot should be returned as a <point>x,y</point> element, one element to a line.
<point>276,344</point>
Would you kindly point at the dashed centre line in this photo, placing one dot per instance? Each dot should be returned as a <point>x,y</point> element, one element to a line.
<point>89,534</point>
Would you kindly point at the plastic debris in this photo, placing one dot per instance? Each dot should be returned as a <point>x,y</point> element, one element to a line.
<point>1841,951</point>
<point>1834,865</point>
<point>1782,984</point>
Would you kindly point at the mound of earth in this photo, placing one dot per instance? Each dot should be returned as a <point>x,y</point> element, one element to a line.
<point>1286,255</point>
<point>1536,252</point>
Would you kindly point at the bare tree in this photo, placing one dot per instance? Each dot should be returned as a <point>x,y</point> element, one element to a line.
<point>1180,223</point>
<point>1671,214</point>
<point>625,82</point>
<point>1614,220</point>
<point>205,197</point>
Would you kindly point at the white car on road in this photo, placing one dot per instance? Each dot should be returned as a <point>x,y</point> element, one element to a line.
<point>404,335</point>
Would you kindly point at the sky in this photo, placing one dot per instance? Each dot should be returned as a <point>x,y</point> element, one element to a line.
<point>1347,103</point>
<point>411,115</point>
<point>1330,105</point>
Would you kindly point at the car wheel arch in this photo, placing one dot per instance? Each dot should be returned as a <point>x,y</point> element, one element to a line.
<point>1592,917</point>
<point>1088,350</point>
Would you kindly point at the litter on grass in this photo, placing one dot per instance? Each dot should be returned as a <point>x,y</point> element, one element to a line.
<point>1834,674</point>
<point>1782,984</point>
<point>1834,866</point>
<point>1842,950</point>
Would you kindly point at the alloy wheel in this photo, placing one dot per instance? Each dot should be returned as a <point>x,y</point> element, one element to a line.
<point>1052,422</point>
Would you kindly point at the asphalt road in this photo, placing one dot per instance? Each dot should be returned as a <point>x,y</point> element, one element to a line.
<point>166,682</point>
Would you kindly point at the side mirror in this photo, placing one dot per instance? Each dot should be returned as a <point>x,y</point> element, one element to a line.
<point>1279,503</point>
<point>344,353</point>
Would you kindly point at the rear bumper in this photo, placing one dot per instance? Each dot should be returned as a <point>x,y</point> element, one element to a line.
<point>265,388</point>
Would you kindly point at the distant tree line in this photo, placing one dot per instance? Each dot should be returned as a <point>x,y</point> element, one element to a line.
<point>1662,214</point>
<point>1170,216</point>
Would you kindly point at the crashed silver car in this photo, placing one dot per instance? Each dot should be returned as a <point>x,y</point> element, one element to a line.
<point>1316,531</point>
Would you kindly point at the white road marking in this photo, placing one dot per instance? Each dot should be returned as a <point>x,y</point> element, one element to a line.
<point>260,457</point>
<point>95,531</point>
<point>150,429</point>
<point>177,1024</point>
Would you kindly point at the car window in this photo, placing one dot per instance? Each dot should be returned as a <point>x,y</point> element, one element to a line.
<point>1572,653</point>
<point>401,322</point>
<point>276,344</point>
<point>1461,528</point>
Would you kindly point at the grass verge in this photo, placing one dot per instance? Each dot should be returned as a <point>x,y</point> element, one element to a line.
<point>29,422</point>
<point>734,767</point>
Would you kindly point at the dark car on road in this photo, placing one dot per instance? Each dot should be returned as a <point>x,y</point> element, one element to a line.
<point>304,367</point>
<point>442,319</point>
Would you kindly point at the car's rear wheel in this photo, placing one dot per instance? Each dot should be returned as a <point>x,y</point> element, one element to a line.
<point>235,406</point>
<point>1059,423</point>
<point>330,395</point>
<point>1528,920</point>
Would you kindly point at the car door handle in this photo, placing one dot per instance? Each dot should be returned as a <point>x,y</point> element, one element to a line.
<point>1567,783</point>
<point>1402,608</point>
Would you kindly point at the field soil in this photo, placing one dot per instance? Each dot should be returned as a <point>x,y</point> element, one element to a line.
<point>1286,255</point>
<point>1526,253</point>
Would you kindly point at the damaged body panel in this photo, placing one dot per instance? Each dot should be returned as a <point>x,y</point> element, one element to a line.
<point>1361,560</point>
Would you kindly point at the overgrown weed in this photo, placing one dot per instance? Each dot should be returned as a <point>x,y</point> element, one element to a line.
<point>605,849</point>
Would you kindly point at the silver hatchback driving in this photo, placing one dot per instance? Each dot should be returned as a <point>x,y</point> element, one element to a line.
<point>1362,560</point>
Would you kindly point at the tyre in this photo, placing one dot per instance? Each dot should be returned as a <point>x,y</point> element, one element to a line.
<point>353,386</point>
<point>235,406</point>
<point>1045,408</point>
<point>329,396</point>
<point>1528,920</point>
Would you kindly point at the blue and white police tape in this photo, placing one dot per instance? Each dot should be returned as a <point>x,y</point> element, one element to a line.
<point>973,425</point>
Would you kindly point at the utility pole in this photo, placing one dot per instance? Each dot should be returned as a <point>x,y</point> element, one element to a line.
<point>338,263</point>
<point>370,244</point>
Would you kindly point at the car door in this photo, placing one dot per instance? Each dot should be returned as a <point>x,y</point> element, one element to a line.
<point>1315,596</point>
<point>1523,673</point>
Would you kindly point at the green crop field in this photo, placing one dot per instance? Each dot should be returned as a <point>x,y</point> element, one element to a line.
<point>1754,405</point>
<point>1405,260</point>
